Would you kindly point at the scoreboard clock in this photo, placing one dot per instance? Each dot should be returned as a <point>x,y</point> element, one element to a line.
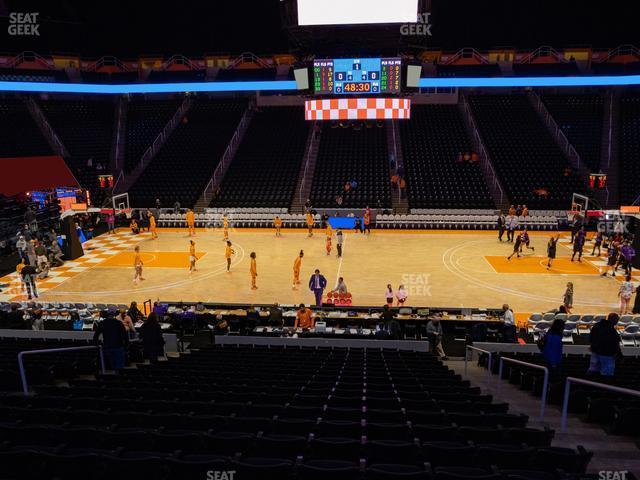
<point>357,76</point>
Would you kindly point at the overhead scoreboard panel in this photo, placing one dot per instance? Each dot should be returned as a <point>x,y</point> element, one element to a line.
<point>360,76</point>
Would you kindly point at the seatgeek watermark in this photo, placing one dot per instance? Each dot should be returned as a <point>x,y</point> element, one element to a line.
<point>422,27</point>
<point>221,474</point>
<point>612,474</point>
<point>24,24</point>
<point>416,284</point>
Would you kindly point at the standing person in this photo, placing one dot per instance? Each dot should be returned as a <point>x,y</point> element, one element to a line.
<point>511,224</point>
<point>176,207</point>
<point>317,284</point>
<point>126,320</point>
<point>41,255</point>
<point>552,346</point>
<point>191,222</point>
<point>152,225</point>
<point>158,204</point>
<point>625,293</point>
<point>111,222</point>
<point>137,265</point>
<point>388,294</point>
<point>605,346</point>
<point>526,241</point>
<point>31,253</point>
<point>367,220</point>
<point>297,263</point>
<point>339,241</point>
<point>253,270</point>
<point>192,256</point>
<point>225,228</point>
<point>304,318</point>
<point>228,253</point>
<point>578,244</point>
<point>567,299</point>
<point>21,245</point>
<point>28,276</point>
<point>552,245</point>
<point>501,225</point>
<point>636,305</point>
<point>612,258</point>
<point>328,245</point>
<point>114,340</point>
<point>401,295</point>
<point>310,224</point>
<point>435,334</point>
<point>55,257</point>
<point>627,254</point>
<point>403,188</point>
<point>152,339</point>
<point>597,243</point>
<point>277,223</point>
<point>516,247</point>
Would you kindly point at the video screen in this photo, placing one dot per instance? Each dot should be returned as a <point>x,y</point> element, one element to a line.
<point>350,12</point>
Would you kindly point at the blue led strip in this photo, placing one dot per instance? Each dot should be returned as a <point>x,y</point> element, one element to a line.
<point>603,80</point>
<point>147,87</point>
<point>285,85</point>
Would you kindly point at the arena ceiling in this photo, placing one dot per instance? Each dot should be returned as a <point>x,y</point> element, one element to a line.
<point>195,27</point>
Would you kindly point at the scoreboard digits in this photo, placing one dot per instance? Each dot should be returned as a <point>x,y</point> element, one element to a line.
<point>357,75</point>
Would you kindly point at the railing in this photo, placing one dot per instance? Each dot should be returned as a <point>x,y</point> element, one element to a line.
<point>23,375</point>
<point>315,137</point>
<point>120,177</point>
<point>44,124</point>
<point>485,162</point>
<point>559,135</point>
<point>467,52</point>
<point>164,134</point>
<point>118,140</point>
<point>248,57</point>
<point>489,361</point>
<point>621,50</point>
<point>228,155</point>
<point>30,57</point>
<point>178,60</point>
<point>589,383</point>
<point>545,384</point>
<point>544,51</point>
<point>106,61</point>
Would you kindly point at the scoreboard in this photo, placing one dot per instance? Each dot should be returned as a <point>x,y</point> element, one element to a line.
<point>357,76</point>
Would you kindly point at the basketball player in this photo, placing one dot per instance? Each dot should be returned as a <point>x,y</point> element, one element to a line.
<point>253,269</point>
<point>328,244</point>
<point>296,269</point>
<point>192,256</point>
<point>551,250</point>
<point>310,224</point>
<point>597,243</point>
<point>612,258</point>
<point>137,265</point>
<point>228,253</point>
<point>578,244</point>
<point>191,222</point>
<point>516,247</point>
<point>225,228</point>
<point>367,220</point>
<point>526,240</point>
<point>152,225</point>
<point>277,223</point>
<point>329,230</point>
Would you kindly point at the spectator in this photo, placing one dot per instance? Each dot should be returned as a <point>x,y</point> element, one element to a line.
<point>152,340</point>
<point>158,203</point>
<point>304,318</point>
<point>552,345</point>
<point>636,305</point>
<point>625,293</point>
<point>434,332</point>
<point>37,323</point>
<point>390,323</point>
<point>135,314</point>
<point>307,205</point>
<point>31,253</point>
<point>394,181</point>
<point>347,187</point>
<point>403,188</point>
<point>111,222</point>
<point>21,245</point>
<point>605,346</point>
<point>114,341</point>
<point>28,275</point>
<point>127,322</point>
<point>509,320</point>
<point>275,315</point>
<point>354,184</point>
<point>176,207</point>
<point>568,297</point>
<point>55,255</point>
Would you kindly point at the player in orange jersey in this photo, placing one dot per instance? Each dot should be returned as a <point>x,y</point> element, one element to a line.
<point>253,269</point>
<point>277,222</point>
<point>137,265</point>
<point>225,227</point>
<point>310,224</point>
<point>191,222</point>
<point>328,245</point>
<point>192,256</point>
<point>296,269</point>
<point>152,225</point>
<point>228,253</point>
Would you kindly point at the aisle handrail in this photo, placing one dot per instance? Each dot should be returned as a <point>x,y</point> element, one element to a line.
<point>23,374</point>
<point>581,381</point>
<point>472,348</point>
<point>545,384</point>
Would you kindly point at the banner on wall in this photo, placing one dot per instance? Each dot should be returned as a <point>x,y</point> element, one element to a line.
<point>357,109</point>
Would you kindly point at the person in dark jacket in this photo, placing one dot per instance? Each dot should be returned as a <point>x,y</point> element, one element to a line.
<point>114,340</point>
<point>552,349</point>
<point>391,325</point>
<point>152,340</point>
<point>605,346</point>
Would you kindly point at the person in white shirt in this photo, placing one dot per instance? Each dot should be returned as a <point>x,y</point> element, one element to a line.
<point>510,331</point>
<point>340,287</point>
<point>401,295</point>
<point>509,319</point>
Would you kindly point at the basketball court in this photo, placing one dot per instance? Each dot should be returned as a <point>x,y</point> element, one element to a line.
<point>438,269</point>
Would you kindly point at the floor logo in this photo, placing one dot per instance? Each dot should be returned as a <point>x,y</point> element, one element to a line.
<point>24,24</point>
